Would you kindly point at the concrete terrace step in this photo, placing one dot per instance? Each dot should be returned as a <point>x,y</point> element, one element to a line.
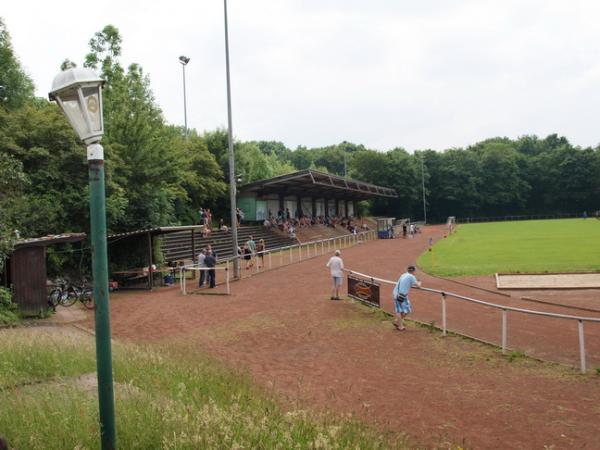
<point>178,246</point>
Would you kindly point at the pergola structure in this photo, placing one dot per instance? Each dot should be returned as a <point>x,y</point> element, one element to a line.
<point>307,192</point>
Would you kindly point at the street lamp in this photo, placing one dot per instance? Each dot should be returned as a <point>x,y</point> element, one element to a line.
<point>184,60</point>
<point>78,92</point>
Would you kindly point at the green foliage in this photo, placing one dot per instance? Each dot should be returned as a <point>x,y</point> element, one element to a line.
<point>16,88</point>
<point>528,246</point>
<point>8,309</point>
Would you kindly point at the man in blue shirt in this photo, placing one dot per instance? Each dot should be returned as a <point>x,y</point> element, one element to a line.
<point>400,296</point>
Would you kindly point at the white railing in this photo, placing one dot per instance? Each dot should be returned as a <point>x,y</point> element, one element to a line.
<point>504,309</point>
<point>283,256</point>
<point>305,250</point>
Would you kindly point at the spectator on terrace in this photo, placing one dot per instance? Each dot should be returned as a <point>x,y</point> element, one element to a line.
<point>267,223</point>
<point>222,226</point>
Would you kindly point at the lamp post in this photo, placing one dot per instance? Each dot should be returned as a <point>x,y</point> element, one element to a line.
<point>184,60</point>
<point>78,93</point>
<point>232,184</point>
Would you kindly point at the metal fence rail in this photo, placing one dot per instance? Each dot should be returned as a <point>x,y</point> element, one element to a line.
<point>283,256</point>
<point>504,309</point>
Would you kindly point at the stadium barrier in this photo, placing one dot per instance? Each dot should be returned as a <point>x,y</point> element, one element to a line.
<point>283,256</point>
<point>505,309</point>
<point>508,218</point>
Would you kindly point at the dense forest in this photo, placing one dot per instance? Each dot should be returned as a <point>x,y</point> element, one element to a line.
<point>157,176</point>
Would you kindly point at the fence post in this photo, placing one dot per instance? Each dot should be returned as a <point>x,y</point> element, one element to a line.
<point>184,283</point>
<point>444,322</point>
<point>300,251</point>
<point>504,329</point>
<point>227,273</point>
<point>581,347</point>
<point>291,254</point>
<point>270,260</point>
<point>308,250</point>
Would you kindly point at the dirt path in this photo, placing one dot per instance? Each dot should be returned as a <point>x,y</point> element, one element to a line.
<point>341,356</point>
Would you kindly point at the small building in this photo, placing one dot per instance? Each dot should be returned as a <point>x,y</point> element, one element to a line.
<point>25,271</point>
<point>306,193</point>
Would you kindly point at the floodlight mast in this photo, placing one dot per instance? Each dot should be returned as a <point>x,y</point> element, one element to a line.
<point>78,92</point>
<point>232,183</point>
<point>184,60</point>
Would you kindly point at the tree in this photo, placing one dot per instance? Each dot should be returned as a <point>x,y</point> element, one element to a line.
<point>16,88</point>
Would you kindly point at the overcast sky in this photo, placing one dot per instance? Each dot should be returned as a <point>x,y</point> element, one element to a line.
<point>384,73</point>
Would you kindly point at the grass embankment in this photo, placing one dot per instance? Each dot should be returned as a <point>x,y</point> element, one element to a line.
<point>165,398</point>
<point>569,245</point>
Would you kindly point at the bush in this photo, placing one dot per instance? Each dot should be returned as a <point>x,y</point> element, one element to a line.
<point>8,310</point>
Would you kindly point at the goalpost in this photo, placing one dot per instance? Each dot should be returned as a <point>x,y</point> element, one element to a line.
<point>194,267</point>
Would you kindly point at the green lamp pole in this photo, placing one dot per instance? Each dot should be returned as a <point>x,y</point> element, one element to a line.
<point>78,92</point>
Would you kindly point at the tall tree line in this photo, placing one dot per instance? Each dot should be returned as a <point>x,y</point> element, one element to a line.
<point>156,176</point>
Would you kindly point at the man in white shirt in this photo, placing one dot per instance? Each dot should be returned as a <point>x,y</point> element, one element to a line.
<point>336,266</point>
<point>201,263</point>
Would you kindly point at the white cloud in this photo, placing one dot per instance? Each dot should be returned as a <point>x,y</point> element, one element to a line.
<point>428,74</point>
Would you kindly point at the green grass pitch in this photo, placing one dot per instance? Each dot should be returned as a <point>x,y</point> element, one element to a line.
<point>569,245</point>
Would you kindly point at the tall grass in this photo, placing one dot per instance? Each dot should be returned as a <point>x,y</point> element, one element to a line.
<point>166,397</point>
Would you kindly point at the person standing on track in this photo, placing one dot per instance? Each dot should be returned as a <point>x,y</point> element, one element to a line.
<point>210,262</point>
<point>336,267</point>
<point>201,264</point>
<point>400,295</point>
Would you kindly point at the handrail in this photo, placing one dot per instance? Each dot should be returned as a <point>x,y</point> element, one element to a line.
<point>580,319</point>
<point>300,244</point>
<point>482,302</point>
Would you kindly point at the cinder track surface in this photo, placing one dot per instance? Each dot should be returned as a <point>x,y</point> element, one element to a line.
<point>341,357</point>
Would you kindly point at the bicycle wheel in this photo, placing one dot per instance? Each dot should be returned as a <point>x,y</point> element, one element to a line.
<point>69,297</point>
<point>54,298</point>
<point>87,299</point>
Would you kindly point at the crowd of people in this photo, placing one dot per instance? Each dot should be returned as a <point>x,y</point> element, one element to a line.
<point>286,223</point>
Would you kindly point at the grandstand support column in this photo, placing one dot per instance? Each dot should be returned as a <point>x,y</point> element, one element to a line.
<point>337,207</point>
<point>298,207</point>
<point>326,206</point>
<point>281,204</point>
<point>346,207</point>
<point>314,206</point>
<point>150,262</point>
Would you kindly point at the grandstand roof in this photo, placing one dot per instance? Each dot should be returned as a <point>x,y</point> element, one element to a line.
<point>318,184</point>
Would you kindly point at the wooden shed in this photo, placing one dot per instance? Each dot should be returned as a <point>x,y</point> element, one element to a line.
<point>27,271</point>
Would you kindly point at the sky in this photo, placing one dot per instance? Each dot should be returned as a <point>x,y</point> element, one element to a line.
<point>382,73</point>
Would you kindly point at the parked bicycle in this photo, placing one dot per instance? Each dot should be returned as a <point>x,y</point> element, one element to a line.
<point>67,294</point>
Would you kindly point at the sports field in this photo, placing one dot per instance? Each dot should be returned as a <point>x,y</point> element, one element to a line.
<point>569,245</point>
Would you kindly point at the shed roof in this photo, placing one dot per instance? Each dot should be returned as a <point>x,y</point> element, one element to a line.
<point>51,239</point>
<point>156,231</point>
<point>310,182</point>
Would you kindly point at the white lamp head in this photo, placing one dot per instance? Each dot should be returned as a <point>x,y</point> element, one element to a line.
<point>78,92</point>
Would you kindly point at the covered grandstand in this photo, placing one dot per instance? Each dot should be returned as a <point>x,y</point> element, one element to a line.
<point>306,193</point>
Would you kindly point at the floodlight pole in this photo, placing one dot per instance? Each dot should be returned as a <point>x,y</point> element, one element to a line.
<point>423,186</point>
<point>184,61</point>
<point>102,311</point>
<point>232,181</point>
